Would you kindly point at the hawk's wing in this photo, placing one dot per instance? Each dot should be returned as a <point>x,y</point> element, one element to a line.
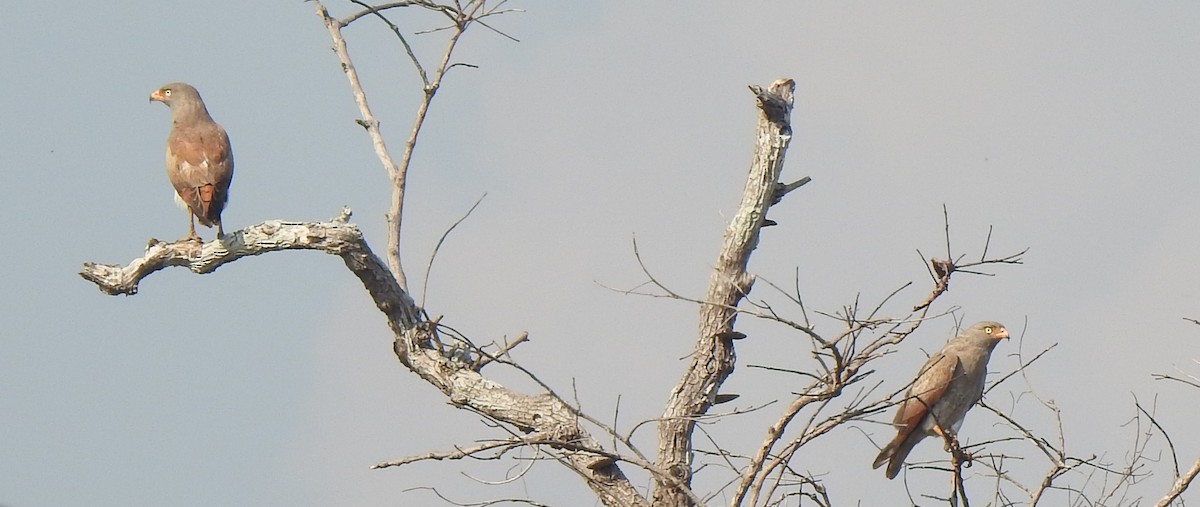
<point>926,390</point>
<point>200,167</point>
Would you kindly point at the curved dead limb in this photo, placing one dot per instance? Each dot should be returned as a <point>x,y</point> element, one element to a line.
<point>414,344</point>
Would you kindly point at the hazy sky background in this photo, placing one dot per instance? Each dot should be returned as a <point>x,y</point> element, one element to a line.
<point>1073,129</point>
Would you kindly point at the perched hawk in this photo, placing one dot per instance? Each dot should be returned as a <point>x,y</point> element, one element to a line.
<point>949,384</point>
<point>199,159</point>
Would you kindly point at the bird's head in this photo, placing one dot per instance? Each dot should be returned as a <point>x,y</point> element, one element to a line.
<point>988,330</point>
<point>180,97</point>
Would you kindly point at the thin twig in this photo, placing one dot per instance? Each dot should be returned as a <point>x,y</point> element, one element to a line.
<point>485,503</point>
<point>472,452</point>
<point>486,358</point>
<point>438,247</point>
<point>412,56</point>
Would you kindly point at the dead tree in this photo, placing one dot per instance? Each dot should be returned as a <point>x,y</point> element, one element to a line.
<point>546,420</point>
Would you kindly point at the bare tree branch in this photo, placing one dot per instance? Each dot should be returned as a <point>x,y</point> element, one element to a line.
<point>437,247</point>
<point>486,358</point>
<point>335,237</point>
<point>1181,485</point>
<point>382,7</point>
<point>1181,481</point>
<point>713,358</point>
<point>470,452</point>
<point>396,172</point>
<point>485,503</point>
<point>408,49</point>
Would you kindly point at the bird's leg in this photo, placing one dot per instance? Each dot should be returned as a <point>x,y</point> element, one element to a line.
<point>192,236</point>
<point>945,434</point>
<point>220,230</point>
<point>952,446</point>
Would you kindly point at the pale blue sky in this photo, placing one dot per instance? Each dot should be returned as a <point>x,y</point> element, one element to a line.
<point>1074,129</point>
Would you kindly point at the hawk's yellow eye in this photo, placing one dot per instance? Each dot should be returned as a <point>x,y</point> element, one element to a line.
<point>988,330</point>
<point>167,92</point>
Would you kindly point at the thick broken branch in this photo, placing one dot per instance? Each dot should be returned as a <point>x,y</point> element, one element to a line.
<point>713,357</point>
<point>335,237</point>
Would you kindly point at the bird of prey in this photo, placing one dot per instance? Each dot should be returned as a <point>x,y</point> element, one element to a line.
<point>199,159</point>
<point>948,385</point>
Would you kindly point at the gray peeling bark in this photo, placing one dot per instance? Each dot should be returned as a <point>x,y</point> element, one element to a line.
<point>336,237</point>
<point>713,358</point>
